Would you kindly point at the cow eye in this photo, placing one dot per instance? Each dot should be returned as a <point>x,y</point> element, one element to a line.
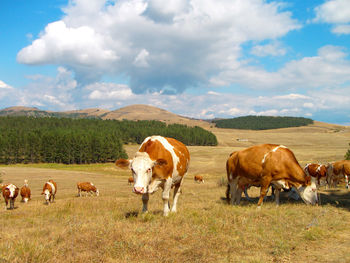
<point>149,170</point>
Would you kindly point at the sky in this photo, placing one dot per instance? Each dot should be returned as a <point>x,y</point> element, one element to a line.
<point>197,58</point>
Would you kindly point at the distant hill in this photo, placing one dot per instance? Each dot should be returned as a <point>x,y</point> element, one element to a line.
<point>262,122</point>
<point>132,112</point>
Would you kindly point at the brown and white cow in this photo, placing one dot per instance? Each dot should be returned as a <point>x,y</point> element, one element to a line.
<point>87,187</point>
<point>198,178</point>
<point>159,162</point>
<point>49,190</point>
<point>10,192</point>
<point>317,171</point>
<point>266,164</point>
<point>25,192</point>
<point>130,180</point>
<point>337,171</point>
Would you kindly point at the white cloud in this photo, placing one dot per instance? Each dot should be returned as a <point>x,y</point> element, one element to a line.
<point>3,85</point>
<point>157,45</point>
<point>273,49</point>
<point>328,69</point>
<point>335,12</point>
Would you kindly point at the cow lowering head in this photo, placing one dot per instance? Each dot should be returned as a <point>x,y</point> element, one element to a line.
<point>308,192</point>
<point>142,168</point>
<point>46,194</point>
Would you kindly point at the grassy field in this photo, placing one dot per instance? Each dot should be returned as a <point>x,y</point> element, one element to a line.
<point>110,228</point>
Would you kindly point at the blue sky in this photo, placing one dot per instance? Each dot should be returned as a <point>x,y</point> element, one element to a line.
<point>199,58</point>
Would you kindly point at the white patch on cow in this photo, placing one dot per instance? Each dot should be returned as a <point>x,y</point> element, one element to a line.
<point>52,187</point>
<point>273,150</point>
<point>12,189</point>
<point>47,194</point>
<point>92,184</point>
<point>25,200</point>
<point>280,184</point>
<point>170,149</point>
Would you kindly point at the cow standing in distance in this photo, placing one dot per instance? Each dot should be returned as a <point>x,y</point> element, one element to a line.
<point>25,192</point>
<point>337,171</point>
<point>87,187</point>
<point>266,164</point>
<point>159,162</point>
<point>198,178</point>
<point>49,190</point>
<point>10,192</point>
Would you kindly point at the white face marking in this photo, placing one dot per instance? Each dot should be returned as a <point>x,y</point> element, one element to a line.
<point>141,166</point>
<point>25,200</point>
<point>12,189</point>
<point>308,195</point>
<point>47,194</point>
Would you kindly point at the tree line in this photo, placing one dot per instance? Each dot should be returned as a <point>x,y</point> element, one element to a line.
<point>81,141</point>
<point>262,122</point>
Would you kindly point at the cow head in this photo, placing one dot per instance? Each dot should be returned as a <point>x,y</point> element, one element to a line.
<point>97,192</point>
<point>308,192</point>
<point>142,170</point>
<point>12,189</point>
<point>46,194</point>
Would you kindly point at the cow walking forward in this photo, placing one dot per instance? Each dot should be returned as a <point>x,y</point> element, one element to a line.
<point>266,164</point>
<point>25,192</point>
<point>10,192</point>
<point>49,190</point>
<point>337,171</point>
<point>159,162</point>
<point>87,187</point>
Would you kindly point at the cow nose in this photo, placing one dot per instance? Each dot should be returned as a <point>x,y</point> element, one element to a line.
<point>313,189</point>
<point>138,190</point>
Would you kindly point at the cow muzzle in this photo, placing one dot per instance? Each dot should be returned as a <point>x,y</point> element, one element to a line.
<point>139,190</point>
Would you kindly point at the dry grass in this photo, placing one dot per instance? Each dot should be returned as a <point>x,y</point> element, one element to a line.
<point>110,228</point>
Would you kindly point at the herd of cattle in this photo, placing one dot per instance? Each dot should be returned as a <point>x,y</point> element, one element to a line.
<point>163,162</point>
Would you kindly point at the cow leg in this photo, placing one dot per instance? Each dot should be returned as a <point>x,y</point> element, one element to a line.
<point>6,203</point>
<point>346,181</point>
<point>177,192</point>
<point>228,193</point>
<point>239,192</point>
<point>145,198</point>
<point>165,196</point>
<point>277,196</point>
<point>79,192</point>
<point>233,189</point>
<point>263,191</point>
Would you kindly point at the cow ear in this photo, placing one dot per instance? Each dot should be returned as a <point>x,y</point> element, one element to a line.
<point>122,163</point>
<point>160,162</point>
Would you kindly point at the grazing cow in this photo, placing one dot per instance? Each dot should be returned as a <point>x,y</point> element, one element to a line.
<point>318,171</point>
<point>87,187</point>
<point>49,190</point>
<point>25,192</point>
<point>10,192</point>
<point>159,162</point>
<point>337,171</point>
<point>266,164</point>
<point>198,179</point>
<point>130,180</point>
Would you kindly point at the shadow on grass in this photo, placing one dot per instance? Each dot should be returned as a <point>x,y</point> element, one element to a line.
<point>335,197</point>
<point>134,214</point>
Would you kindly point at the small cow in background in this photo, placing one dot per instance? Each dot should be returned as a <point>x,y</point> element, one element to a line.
<point>130,180</point>
<point>337,171</point>
<point>198,179</point>
<point>10,192</point>
<point>87,187</point>
<point>49,190</point>
<point>25,192</point>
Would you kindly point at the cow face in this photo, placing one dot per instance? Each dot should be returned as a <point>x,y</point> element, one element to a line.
<point>309,193</point>
<point>97,192</point>
<point>142,170</point>
<point>11,188</point>
<point>46,194</point>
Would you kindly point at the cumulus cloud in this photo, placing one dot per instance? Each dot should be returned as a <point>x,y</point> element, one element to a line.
<point>335,12</point>
<point>4,86</point>
<point>272,49</point>
<point>158,46</point>
<point>329,68</point>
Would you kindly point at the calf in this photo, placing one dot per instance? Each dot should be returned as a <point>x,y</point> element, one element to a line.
<point>159,162</point>
<point>198,179</point>
<point>49,190</point>
<point>130,180</point>
<point>10,192</point>
<point>25,192</point>
<point>87,187</point>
